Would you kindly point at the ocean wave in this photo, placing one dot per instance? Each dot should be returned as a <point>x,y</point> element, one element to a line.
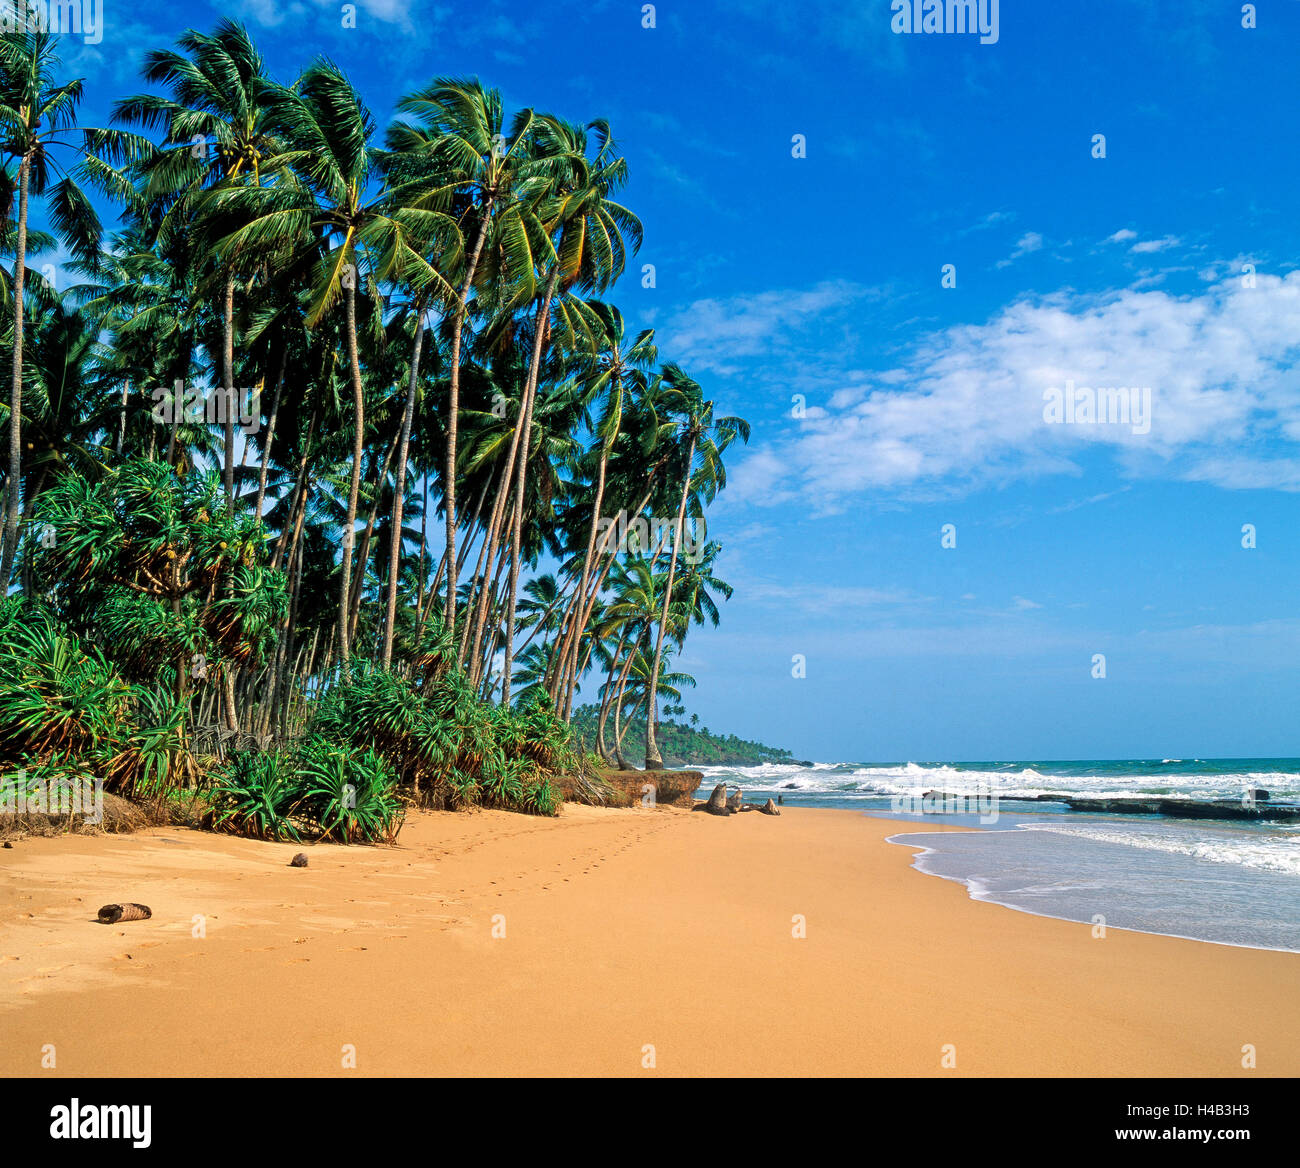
<point>1010,780</point>
<point>1263,853</point>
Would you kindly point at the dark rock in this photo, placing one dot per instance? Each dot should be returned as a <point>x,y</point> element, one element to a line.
<point>1187,808</point>
<point>299,861</point>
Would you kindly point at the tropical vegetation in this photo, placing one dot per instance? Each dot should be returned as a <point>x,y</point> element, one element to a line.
<point>333,475</point>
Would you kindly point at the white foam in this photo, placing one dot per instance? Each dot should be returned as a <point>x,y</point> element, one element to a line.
<point>1265,853</point>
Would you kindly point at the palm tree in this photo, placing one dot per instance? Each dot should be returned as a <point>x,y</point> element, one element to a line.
<point>588,228</point>
<point>708,439</point>
<point>431,316</point>
<point>640,686</point>
<point>630,614</point>
<point>72,406</point>
<point>36,110</point>
<point>695,582</point>
<point>458,139</point>
<point>328,215</point>
<point>218,129</point>
<point>614,377</point>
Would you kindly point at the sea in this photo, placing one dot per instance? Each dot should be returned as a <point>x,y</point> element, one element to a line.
<point>1225,881</point>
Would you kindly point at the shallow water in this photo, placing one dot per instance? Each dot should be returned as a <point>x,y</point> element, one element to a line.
<point>1234,883</point>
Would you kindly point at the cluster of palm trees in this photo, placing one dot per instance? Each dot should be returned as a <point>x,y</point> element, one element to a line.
<point>417,313</point>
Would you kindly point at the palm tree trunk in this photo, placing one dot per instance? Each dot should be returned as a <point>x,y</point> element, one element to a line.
<point>619,729</point>
<point>228,693</point>
<point>298,488</point>
<point>294,527</point>
<point>608,696</point>
<point>559,667</point>
<point>516,539</point>
<point>354,485</point>
<point>464,546</point>
<point>424,553</point>
<point>121,418</point>
<point>364,555</point>
<point>270,437</point>
<point>591,545</point>
<point>490,545</point>
<point>404,444</point>
<point>15,485</point>
<point>653,760</point>
<point>567,678</point>
<point>284,643</point>
<point>280,713</point>
<point>228,381</point>
<point>494,619</point>
<point>453,409</point>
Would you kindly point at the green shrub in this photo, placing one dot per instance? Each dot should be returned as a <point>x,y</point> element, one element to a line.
<point>449,747</point>
<point>349,794</point>
<point>257,795</point>
<point>61,699</point>
<point>321,788</point>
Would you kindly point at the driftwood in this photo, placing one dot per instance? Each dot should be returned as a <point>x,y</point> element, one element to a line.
<point>110,914</point>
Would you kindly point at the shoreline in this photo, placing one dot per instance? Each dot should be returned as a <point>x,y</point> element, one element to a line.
<point>624,928</point>
<point>988,899</point>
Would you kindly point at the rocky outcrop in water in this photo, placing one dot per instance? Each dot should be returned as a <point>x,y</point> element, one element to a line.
<point>1256,806</point>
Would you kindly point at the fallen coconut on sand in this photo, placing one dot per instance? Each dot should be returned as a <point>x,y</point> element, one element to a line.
<point>111,914</point>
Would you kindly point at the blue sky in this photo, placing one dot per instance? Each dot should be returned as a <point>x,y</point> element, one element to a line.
<point>819,276</point>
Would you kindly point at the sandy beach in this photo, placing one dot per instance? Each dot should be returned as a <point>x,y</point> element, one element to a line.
<point>624,930</point>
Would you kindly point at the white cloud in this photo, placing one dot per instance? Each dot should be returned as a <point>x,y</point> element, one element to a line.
<point>1147,246</point>
<point>992,219</point>
<point>1123,235</point>
<point>1031,241</point>
<point>809,596</point>
<point>274,13</point>
<point>966,406</point>
<point>714,334</point>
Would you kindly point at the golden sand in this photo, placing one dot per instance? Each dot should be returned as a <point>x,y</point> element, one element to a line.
<point>598,943</point>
